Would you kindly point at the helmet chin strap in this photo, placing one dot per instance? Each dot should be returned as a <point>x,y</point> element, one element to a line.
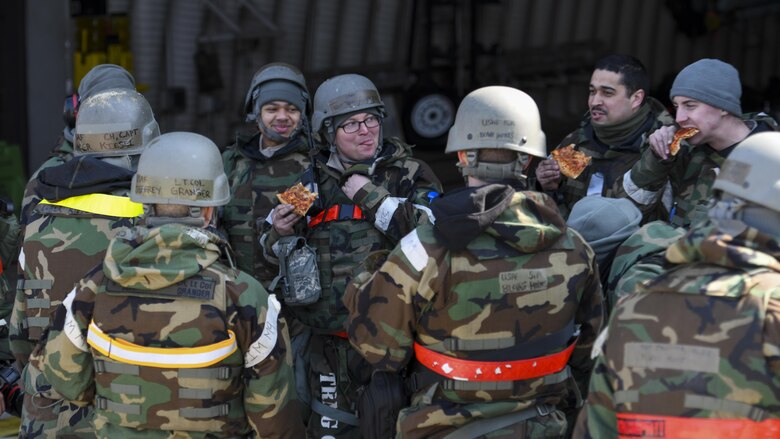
<point>494,172</point>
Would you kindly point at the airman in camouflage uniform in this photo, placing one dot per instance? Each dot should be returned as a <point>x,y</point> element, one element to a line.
<point>695,353</point>
<point>706,95</point>
<point>613,133</point>
<point>9,246</point>
<point>78,207</point>
<point>266,163</point>
<point>176,343</point>
<point>493,309</point>
<point>99,78</point>
<point>371,193</point>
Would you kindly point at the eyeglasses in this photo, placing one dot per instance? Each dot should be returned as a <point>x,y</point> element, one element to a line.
<point>353,126</point>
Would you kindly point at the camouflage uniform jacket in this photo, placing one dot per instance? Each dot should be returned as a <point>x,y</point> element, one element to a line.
<point>58,155</point>
<point>62,243</point>
<point>498,269</point>
<point>9,245</point>
<point>392,204</point>
<point>691,174</point>
<point>254,182</point>
<point>612,161</point>
<point>163,290</point>
<point>700,341</point>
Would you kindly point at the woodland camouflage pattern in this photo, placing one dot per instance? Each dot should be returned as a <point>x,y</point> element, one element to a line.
<point>342,246</point>
<point>125,298</point>
<point>460,295</point>
<point>9,246</point>
<point>254,182</point>
<point>639,258</point>
<point>709,327</point>
<point>612,161</point>
<point>691,174</point>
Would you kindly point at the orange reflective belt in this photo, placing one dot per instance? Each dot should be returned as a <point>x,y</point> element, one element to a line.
<point>337,212</point>
<point>468,370</point>
<point>632,425</point>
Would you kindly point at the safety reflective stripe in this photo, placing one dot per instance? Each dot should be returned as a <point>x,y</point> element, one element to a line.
<point>469,370</point>
<point>337,212</point>
<point>632,425</point>
<point>641,196</point>
<point>131,353</point>
<point>102,204</point>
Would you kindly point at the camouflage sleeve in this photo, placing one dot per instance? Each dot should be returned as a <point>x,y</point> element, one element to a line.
<point>9,239</point>
<point>600,419</point>
<point>772,332</point>
<point>397,214</point>
<point>647,178</point>
<point>381,307</point>
<point>67,360</point>
<point>229,161</point>
<point>270,400</point>
<point>21,346</point>
<point>590,317</point>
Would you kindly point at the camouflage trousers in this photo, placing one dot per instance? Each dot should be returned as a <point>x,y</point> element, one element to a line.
<point>329,374</point>
<point>47,414</point>
<point>436,419</point>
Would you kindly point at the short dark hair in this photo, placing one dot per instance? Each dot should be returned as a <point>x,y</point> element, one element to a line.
<point>633,72</point>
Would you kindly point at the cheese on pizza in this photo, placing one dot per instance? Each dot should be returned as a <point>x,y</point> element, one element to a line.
<point>300,197</point>
<point>682,133</point>
<point>570,161</point>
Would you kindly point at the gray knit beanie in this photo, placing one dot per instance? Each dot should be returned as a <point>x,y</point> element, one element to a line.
<point>604,222</point>
<point>711,81</point>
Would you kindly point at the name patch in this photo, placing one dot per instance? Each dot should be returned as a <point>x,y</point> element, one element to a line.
<point>518,281</point>
<point>672,356</point>
<point>195,287</point>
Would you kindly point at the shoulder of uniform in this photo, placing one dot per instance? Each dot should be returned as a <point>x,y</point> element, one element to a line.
<point>413,248</point>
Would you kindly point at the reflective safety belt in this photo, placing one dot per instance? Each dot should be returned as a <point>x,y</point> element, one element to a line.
<point>102,204</point>
<point>632,425</point>
<point>126,352</point>
<point>469,370</point>
<point>337,212</point>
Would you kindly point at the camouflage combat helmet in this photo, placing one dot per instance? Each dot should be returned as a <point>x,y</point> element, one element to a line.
<point>181,168</point>
<point>114,122</point>
<point>277,81</point>
<point>497,117</point>
<point>340,96</point>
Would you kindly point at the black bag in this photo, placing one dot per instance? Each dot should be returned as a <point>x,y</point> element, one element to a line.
<point>379,404</point>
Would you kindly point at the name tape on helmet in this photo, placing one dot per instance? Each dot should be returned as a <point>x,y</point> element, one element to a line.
<point>497,129</point>
<point>106,137</point>
<point>194,189</point>
<point>735,172</point>
<point>360,98</point>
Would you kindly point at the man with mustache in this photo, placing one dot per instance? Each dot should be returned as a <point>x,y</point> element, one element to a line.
<point>613,132</point>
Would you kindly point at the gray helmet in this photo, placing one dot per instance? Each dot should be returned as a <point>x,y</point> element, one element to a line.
<point>181,168</point>
<point>497,117</point>
<point>115,122</point>
<point>277,82</point>
<point>750,171</point>
<point>340,96</point>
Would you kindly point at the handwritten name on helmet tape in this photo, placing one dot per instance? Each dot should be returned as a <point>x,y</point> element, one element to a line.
<point>181,188</point>
<point>496,129</point>
<point>108,138</point>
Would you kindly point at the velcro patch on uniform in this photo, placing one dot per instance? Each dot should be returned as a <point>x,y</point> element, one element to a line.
<point>196,287</point>
<point>522,280</point>
<point>672,357</point>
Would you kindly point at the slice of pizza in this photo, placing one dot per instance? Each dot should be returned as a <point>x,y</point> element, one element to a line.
<point>300,197</point>
<point>571,161</point>
<point>680,135</point>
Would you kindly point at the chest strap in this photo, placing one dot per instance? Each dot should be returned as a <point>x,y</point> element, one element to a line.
<point>630,425</point>
<point>469,370</point>
<point>131,353</point>
<point>337,212</point>
<point>102,204</point>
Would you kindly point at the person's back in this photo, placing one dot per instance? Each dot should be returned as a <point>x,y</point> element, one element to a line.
<point>490,324</point>
<point>705,362</point>
<point>182,345</point>
<point>79,206</point>
<point>266,163</point>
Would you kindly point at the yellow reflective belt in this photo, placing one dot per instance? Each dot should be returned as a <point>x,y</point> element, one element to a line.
<point>102,204</point>
<point>184,358</point>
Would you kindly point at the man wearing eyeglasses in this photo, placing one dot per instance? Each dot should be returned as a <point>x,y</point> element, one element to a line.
<point>371,194</point>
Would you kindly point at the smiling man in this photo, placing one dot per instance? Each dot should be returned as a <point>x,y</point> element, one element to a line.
<point>706,95</point>
<point>613,132</point>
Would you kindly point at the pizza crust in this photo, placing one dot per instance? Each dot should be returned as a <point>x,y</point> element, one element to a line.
<point>679,136</point>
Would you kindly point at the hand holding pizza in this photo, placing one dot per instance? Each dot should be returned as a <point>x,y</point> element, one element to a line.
<point>548,174</point>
